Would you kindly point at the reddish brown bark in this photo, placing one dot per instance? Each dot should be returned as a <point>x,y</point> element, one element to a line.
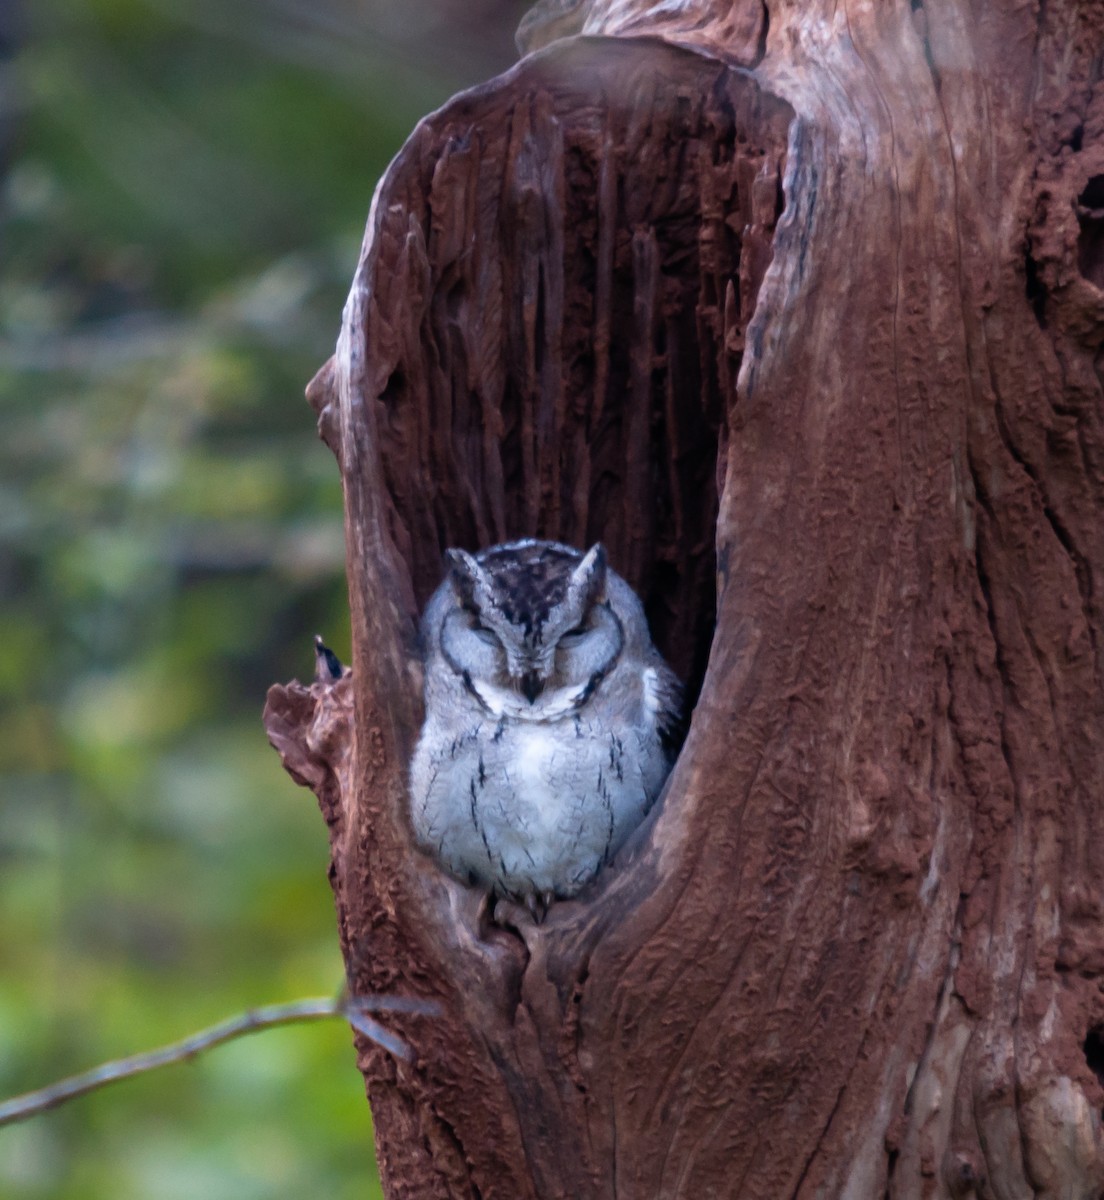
<point>858,950</point>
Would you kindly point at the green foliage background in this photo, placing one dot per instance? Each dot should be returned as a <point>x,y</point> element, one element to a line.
<point>184,187</point>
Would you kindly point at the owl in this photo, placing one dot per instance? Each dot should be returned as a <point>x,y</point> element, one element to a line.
<point>551,721</point>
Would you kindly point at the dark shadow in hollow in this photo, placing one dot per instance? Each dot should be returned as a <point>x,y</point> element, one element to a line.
<point>590,232</point>
<point>1090,243</point>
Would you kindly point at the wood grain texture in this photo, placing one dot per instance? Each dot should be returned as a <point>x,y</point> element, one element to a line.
<point>858,950</point>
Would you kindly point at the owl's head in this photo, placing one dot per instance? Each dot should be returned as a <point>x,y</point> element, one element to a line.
<point>530,629</point>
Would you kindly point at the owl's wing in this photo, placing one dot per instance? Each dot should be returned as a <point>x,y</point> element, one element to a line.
<point>671,717</point>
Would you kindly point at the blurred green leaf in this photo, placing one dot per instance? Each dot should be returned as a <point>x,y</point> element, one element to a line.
<point>182,207</point>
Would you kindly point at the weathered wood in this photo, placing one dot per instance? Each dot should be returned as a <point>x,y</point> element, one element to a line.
<point>858,951</point>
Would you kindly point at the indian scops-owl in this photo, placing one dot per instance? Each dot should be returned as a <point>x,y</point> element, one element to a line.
<point>551,720</point>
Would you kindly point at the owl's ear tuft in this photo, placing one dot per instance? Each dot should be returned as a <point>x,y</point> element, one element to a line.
<point>589,577</point>
<point>465,573</point>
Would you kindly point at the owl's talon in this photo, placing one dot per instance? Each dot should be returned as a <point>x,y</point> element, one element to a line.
<point>485,915</point>
<point>507,913</point>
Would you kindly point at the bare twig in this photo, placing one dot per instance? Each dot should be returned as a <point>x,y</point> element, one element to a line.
<point>354,1009</point>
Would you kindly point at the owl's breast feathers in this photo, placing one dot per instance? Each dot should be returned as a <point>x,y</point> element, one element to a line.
<point>528,808</point>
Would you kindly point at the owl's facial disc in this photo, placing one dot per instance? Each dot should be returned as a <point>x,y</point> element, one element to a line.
<point>590,649</point>
<point>533,634</point>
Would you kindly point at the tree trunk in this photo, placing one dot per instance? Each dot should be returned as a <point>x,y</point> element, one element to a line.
<point>799,307</point>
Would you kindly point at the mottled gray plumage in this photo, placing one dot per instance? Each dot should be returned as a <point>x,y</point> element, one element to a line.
<point>551,719</point>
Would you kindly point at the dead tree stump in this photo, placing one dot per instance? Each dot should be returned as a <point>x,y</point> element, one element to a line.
<point>799,307</point>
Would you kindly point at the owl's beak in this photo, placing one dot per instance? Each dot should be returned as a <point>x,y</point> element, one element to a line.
<point>531,685</point>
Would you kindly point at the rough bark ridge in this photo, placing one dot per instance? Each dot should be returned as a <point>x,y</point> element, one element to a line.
<point>858,953</point>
